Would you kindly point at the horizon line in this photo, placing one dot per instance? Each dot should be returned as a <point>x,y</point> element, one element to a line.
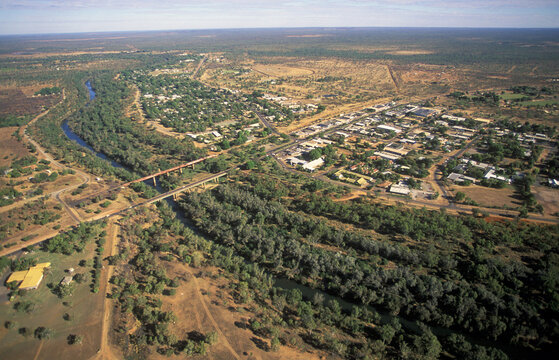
<point>282,28</point>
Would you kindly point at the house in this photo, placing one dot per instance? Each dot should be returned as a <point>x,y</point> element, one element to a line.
<point>459,178</point>
<point>453,118</point>
<point>385,184</point>
<point>29,279</point>
<point>295,161</point>
<point>396,149</point>
<point>491,175</point>
<point>387,156</point>
<point>388,128</point>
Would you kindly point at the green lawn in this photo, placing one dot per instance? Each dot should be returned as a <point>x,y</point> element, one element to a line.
<point>511,96</point>
<point>540,102</point>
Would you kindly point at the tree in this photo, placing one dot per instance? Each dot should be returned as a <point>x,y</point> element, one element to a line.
<point>74,339</point>
<point>9,324</point>
<point>386,333</point>
<point>25,331</point>
<point>314,154</point>
<point>427,343</point>
<point>250,165</point>
<point>211,338</point>
<point>460,196</point>
<point>43,333</point>
<point>275,344</point>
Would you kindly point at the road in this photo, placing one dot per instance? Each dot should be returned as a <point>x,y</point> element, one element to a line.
<point>40,239</point>
<point>266,123</point>
<point>439,181</point>
<point>105,350</point>
<point>58,193</point>
<point>195,73</point>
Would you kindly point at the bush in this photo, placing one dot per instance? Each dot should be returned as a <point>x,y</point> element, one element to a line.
<point>43,333</point>
<point>74,339</point>
<point>211,338</point>
<point>9,324</point>
<point>24,331</point>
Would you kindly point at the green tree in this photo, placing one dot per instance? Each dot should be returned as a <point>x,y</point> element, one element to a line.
<point>43,333</point>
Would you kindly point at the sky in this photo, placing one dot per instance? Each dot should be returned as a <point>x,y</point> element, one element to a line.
<point>69,16</point>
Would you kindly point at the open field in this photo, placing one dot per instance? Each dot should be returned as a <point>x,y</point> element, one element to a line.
<point>548,198</point>
<point>10,148</point>
<point>84,308</point>
<point>489,197</point>
<point>204,302</point>
<point>16,101</point>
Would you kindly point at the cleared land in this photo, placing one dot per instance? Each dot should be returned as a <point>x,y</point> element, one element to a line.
<point>490,197</point>
<point>10,147</point>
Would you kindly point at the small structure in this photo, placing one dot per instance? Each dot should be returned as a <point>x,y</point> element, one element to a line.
<point>66,280</point>
<point>29,279</point>
<point>460,178</point>
<point>362,182</point>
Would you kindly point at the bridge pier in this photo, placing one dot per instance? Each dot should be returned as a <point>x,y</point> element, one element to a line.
<point>154,182</point>
<point>180,170</point>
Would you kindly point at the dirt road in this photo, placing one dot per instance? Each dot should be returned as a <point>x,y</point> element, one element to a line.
<point>105,350</point>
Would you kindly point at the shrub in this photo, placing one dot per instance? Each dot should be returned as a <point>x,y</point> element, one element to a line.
<point>43,333</point>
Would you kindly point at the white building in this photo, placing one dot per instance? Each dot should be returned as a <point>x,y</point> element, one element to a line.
<point>313,165</point>
<point>400,189</point>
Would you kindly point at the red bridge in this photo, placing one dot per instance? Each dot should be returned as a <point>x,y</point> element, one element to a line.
<point>153,176</point>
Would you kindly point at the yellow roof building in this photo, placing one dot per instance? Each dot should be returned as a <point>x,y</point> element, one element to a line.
<point>17,276</point>
<point>41,265</point>
<point>30,279</point>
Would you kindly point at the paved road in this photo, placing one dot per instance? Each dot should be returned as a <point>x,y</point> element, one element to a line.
<point>458,154</point>
<point>267,123</point>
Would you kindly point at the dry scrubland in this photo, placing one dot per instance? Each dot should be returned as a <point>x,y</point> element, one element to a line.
<point>10,148</point>
<point>356,83</point>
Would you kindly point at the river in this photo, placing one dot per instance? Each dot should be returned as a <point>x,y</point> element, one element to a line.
<point>77,139</point>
